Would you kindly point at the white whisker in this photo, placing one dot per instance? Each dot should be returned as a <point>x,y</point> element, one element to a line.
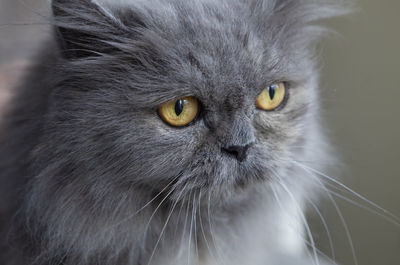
<point>185,224</point>
<point>320,252</point>
<point>165,225</point>
<point>325,225</point>
<point>339,212</point>
<point>190,235</point>
<point>202,229</point>
<point>216,247</point>
<point>349,190</point>
<point>179,216</point>
<point>363,207</point>
<point>276,196</point>
<point>154,213</point>
<point>346,228</point>
<point>196,247</point>
<point>142,208</point>
<point>304,221</point>
<point>356,203</point>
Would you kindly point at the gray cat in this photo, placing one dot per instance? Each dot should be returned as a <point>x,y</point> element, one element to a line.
<point>165,132</point>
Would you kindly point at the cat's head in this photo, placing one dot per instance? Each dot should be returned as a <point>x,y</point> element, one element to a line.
<point>164,92</point>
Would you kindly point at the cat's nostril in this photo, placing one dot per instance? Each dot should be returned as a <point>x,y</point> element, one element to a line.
<point>240,152</point>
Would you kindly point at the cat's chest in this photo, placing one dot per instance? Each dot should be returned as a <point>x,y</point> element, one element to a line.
<point>253,240</point>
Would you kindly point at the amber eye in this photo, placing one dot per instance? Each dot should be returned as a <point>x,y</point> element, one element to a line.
<point>179,112</point>
<point>271,97</point>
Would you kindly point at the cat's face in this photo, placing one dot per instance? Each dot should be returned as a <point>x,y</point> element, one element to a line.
<point>223,54</point>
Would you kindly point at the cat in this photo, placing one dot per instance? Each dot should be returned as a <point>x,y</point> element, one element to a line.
<point>165,132</point>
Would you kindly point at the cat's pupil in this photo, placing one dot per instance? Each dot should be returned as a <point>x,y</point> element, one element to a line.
<point>178,107</point>
<point>271,91</point>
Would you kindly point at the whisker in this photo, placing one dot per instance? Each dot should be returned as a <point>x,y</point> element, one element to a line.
<point>276,196</point>
<point>325,225</point>
<point>190,235</point>
<point>202,229</point>
<point>185,224</point>
<point>277,199</point>
<point>320,252</point>
<point>142,208</point>
<point>309,233</point>
<point>154,213</point>
<point>341,217</point>
<point>165,225</point>
<point>195,227</point>
<point>340,196</point>
<point>216,247</point>
<point>346,228</point>
<point>179,216</point>
<point>180,253</point>
<point>349,190</point>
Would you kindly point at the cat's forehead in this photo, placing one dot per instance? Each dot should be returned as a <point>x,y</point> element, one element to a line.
<point>212,44</point>
<point>204,48</point>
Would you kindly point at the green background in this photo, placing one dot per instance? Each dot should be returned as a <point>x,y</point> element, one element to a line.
<point>361,89</point>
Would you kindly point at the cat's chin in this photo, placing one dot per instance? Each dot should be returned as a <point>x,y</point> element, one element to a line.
<point>217,176</point>
<point>242,179</point>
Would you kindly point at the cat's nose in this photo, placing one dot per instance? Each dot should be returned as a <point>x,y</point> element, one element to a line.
<point>238,151</point>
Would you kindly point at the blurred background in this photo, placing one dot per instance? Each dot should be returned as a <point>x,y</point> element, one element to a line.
<point>361,102</point>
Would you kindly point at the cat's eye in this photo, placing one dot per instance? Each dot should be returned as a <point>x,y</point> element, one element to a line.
<point>272,97</point>
<point>179,112</point>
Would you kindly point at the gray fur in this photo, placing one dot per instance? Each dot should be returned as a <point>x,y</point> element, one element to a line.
<point>83,149</point>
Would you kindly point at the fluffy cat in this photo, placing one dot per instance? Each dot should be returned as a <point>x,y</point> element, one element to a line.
<point>91,171</point>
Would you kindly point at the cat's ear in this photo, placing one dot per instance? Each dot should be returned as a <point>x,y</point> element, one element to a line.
<point>84,28</point>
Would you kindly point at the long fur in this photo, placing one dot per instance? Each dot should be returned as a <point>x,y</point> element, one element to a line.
<point>90,174</point>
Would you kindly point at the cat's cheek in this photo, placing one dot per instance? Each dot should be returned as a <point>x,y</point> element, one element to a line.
<point>182,142</point>
<point>270,125</point>
<point>276,133</point>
